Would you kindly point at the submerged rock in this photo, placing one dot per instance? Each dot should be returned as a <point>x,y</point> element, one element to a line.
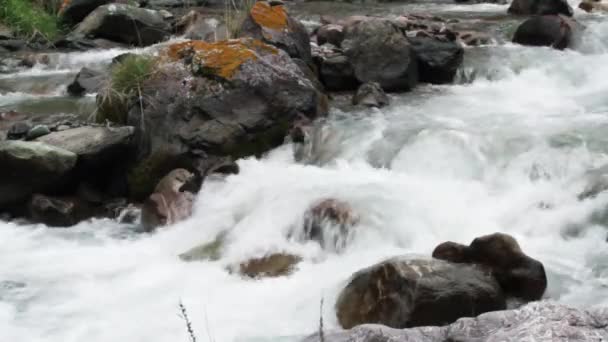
<point>211,251</point>
<point>270,22</point>
<point>540,7</point>
<point>29,167</point>
<point>124,24</point>
<point>555,31</point>
<point>370,95</point>
<point>379,52</point>
<point>169,203</point>
<point>539,321</point>
<point>519,275</point>
<point>273,265</point>
<point>330,222</point>
<point>403,292</point>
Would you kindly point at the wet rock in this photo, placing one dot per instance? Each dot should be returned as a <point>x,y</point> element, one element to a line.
<point>402,292</point>
<point>74,11</point>
<point>438,60</point>
<point>370,95</point>
<point>92,144</point>
<point>270,266</point>
<point>18,130</point>
<point>29,167</point>
<point>211,251</point>
<point>591,6</point>
<point>226,99</point>
<point>58,211</point>
<point>379,52</point>
<point>472,38</point>
<point>540,7</point>
<point>87,81</point>
<point>332,34</point>
<point>596,184</point>
<point>549,30</point>
<point>519,275</point>
<point>124,24</point>
<point>539,321</point>
<point>37,131</point>
<point>330,222</point>
<point>168,204</point>
<point>335,70</point>
<point>195,25</point>
<point>271,23</point>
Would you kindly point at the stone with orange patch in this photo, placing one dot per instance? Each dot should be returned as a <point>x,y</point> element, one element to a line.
<point>270,17</point>
<point>221,58</point>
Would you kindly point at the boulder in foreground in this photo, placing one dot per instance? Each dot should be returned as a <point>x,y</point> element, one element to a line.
<point>402,292</point>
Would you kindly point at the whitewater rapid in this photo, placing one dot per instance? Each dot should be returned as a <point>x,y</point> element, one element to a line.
<point>505,150</point>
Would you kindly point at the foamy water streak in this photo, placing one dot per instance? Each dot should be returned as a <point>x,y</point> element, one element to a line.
<point>504,153</point>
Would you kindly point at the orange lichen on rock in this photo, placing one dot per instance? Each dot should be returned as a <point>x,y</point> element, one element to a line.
<point>221,58</point>
<point>267,16</point>
<point>64,5</point>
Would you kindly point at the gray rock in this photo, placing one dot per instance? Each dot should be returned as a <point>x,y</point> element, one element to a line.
<point>124,24</point>
<point>379,52</point>
<point>538,321</point>
<point>18,130</point>
<point>335,70</point>
<point>555,31</point>
<point>404,292</point>
<point>37,131</point>
<point>87,81</point>
<point>332,34</point>
<point>438,60</point>
<point>92,144</point>
<point>370,95</point>
<point>29,167</point>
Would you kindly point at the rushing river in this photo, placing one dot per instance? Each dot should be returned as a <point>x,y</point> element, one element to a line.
<point>506,149</point>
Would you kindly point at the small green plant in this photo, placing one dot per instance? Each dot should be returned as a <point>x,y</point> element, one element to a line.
<point>28,19</point>
<point>235,13</point>
<point>125,83</point>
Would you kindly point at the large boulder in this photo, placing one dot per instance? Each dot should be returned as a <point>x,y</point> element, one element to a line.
<point>29,167</point>
<point>539,321</point>
<point>555,31</point>
<point>403,292</point>
<point>379,52</point>
<point>438,60</point>
<point>170,202</point>
<point>519,275</point>
<point>87,81</point>
<point>124,24</point>
<point>206,101</point>
<point>269,22</point>
<point>540,7</point>
<point>74,11</point>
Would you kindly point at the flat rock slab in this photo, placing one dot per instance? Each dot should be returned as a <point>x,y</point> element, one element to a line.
<point>89,141</point>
